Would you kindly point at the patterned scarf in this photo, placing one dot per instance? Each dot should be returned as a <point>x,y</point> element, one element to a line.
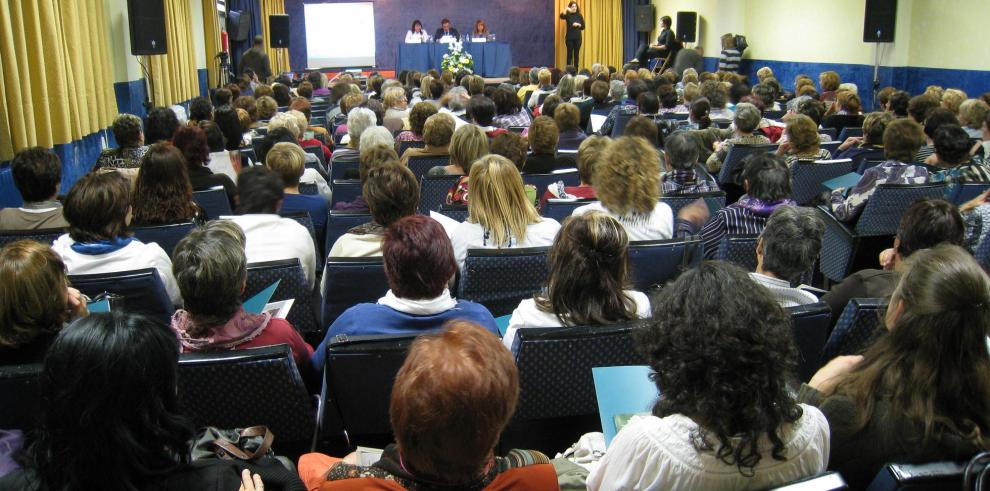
<point>241,328</point>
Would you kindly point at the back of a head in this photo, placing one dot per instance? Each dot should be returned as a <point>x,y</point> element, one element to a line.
<point>849,101</point>
<point>259,190</point>
<point>37,173</point>
<point>590,156</point>
<point>288,160</point>
<point>813,109</point>
<point>566,88</point>
<point>375,156</point>
<point>359,120</point>
<point>715,92</point>
<point>648,103</point>
<point>418,115</point>
<point>418,258</point>
<point>682,151</point>
<point>160,125</point>
<point>214,137</point>
<point>200,109</point>
<point>392,192</point>
<point>768,177</point>
<point>191,142</point>
<point>481,110</point>
<point>874,124</point>
<point>791,242</point>
<point>634,88</point>
<point>377,135</point>
<point>748,118</point>
<point>453,396</point>
<point>902,139</point>
<point>567,116</point>
<point>643,127</point>
<point>468,144</point>
<point>32,293</point>
<point>109,439</point>
<point>900,100</point>
<point>438,130</point>
<point>97,205</point>
<point>952,144</point>
<point>920,106</point>
<point>230,125</point>
<point>287,121</point>
<point>927,223</point>
<point>210,269</point>
<point>700,109</point>
<point>628,181</point>
<point>127,129</point>
<point>162,191</point>
<point>802,133</point>
<point>599,91</point>
<point>511,146</point>
<point>544,135</point>
<point>498,200</point>
<point>937,118</point>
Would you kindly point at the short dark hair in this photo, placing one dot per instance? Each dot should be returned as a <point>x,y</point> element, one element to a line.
<point>223,96</point>
<point>191,141</point>
<point>635,88</point>
<point>648,103</point>
<point>667,95</point>
<point>160,125</point>
<point>791,240</point>
<point>200,109</point>
<point>666,20</point>
<point>481,110</point>
<point>768,175</point>
<point>643,127</point>
<point>813,109</point>
<point>899,102</point>
<point>952,144</point>
<point>214,137</point>
<point>96,207</point>
<point>927,223</point>
<point>506,101</point>
<point>391,191</point>
<point>682,149</point>
<point>259,190</point>
<point>599,91</point>
<point>937,118</point>
<point>37,172</point>
<point>210,268</point>
<point>511,146</point>
<point>919,107</point>
<point>902,139</point>
<point>418,257</point>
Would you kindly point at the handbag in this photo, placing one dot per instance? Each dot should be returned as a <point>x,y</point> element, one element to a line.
<point>253,444</point>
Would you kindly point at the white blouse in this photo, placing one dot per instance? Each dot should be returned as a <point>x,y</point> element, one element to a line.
<point>469,235</point>
<point>421,37</point>
<point>658,225</point>
<point>528,315</point>
<point>657,453</point>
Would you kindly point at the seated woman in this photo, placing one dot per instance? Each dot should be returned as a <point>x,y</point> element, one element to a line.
<point>287,160</point>
<point>130,144</point>
<point>193,144</point>
<point>138,429</point>
<point>359,119</point>
<point>747,120</point>
<point>392,192</point>
<point>372,156</point>
<point>544,87</point>
<point>302,128</point>
<point>829,82</point>
<point>310,175</point>
<point>699,118</point>
<point>900,401</point>
<point>587,285</point>
<point>419,264</point>
<point>723,356</point>
<point>37,175</point>
<point>480,29</point>
<point>98,209</point>
<point>802,143</point>
<point>543,137</point>
<point>396,105</point>
<point>437,132</point>
<point>162,192</point>
<point>467,144</point>
<point>500,215</point>
<point>589,158</point>
<point>786,249</point>
<point>718,97</point>
<point>416,34</point>
<point>211,270</point>
<point>417,119</point>
<point>509,110</point>
<point>453,396</point>
<point>35,301</point>
<point>901,140</point>
<point>855,147</point>
<point>682,174</point>
<point>568,119</point>
<point>844,113</point>
<point>952,157</point>
<point>972,114</point>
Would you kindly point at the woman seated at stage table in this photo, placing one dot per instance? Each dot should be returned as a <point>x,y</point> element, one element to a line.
<point>416,34</point>
<point>480,29</point>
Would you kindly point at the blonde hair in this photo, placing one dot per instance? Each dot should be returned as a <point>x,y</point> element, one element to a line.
<point>498,200</point>
<point>764,73</point>
<point>935,91</point>
<point>301,120</point>
<point>267,107</point>
<point>952,99</point>
<point>468,144</point>
<point>544,76</point>
<point>728,41</point>
<point>829,81</point>
<point>972,113</point>
<point>393,96</point>
<point>287,121</point>
<point>644,74</point>
<point>691,92</point>
<point>690,75</point>
<point>288,160</point>
<point>628,178</point>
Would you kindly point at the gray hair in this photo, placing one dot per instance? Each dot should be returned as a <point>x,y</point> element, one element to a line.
<point>616,90</point>
<point>359,120</point>
<point>534,76</point>
<point>565,88</point>
<point>457,98</point>
<point>851,87</point>
<point>579,84</point>
<point>747,117</point>
<point>210,268</point>
<point>682,150</point>
<point>378,135</point>
<point>792,240</point>
<point>287,121</point>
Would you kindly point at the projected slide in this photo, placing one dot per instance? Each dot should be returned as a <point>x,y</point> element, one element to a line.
<point>340,35</point>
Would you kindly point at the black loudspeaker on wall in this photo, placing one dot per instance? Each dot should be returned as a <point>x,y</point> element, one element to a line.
<point>687,27</point>
<point>238,25</point>
<point>146,19</point>
<point>644,18</point>
<point>881,18</point>
<point>278,27</point>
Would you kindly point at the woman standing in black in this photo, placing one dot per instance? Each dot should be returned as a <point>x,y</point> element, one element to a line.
<point>575,24</point>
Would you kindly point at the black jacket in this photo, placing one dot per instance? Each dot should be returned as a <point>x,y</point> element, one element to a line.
<point>573,33</point>
<point>257,60</point>
<point>453,32</point>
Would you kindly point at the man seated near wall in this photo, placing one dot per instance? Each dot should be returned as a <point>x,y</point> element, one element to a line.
<point>37,174</point>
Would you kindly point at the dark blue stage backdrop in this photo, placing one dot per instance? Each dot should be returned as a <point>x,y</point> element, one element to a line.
<point>527,24</point>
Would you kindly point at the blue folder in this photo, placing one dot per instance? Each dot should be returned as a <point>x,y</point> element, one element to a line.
<point>256,304</point>
<point>622,391</point>
<point>845,182</point>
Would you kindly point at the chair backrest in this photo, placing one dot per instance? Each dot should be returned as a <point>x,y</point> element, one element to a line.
<point>570,177</point>
<point>554,381</point>
<point>931,476</point>
<point>966,191</point>
<point>213,202</point>
<point>807,177</point>
<point>774,115</point>
<point>809,325</point>
<point>517,129</point>
<point>45,236</point>
<point>421,165</point>
<point>655,262</point>
<point>345,169</point>
<point>308,188</point>
<point>848,132</point>
<point>559,209</point>
<point>348,281</point>
<point>714,200</point>
<point>406,145</point>
<point>831,146</point>
<point>293,285</point>
<point>457,213</point>
<point>676,116</point>
<point>883,210</point>
<point>621,121</point>
<point>500,278</point>
<point>345,190</point>
<point>830,132</point>
<point>739,250</point>
<point>141,290</point>
<point>870,160</point>
<point>360,408</point>
<point>860,323</point>
<point>433,192</point>
<point>339,222</point>
<point>829,481</point>
<point>166,236</point>
<point>732,167</point>
<point>20,394</point>
<point>317,152</point>
<point>241,388</point>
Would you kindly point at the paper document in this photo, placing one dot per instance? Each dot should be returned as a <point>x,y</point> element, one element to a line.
<point>621,393</point>
<point>845,182</point>
<point>597,121</point>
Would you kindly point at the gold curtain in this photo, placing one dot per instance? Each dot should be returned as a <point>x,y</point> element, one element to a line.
<point>602,36</point>
<point>55,83</point>
<point>211,36</point>
<point>173,75</point>
<point>279,57</point>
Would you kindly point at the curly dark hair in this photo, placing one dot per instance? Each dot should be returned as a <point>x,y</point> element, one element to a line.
<point>160,125</point>
<point>723,354</point>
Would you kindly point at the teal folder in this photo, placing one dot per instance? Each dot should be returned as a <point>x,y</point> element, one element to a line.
<point>256,304</point>
<point>622,392</point>
<point>845,182</point>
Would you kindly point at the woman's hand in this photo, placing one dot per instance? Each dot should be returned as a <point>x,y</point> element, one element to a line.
<point>851,142</point>
<point>576,24</point>
<point>75,303</point>
<point>829,376</point>
<point>887,259</point>
<point>973,203</point>
<point>784,148</point>
<point>251,482</point>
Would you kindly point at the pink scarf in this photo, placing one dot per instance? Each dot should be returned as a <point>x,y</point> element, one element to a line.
<point>241,328</point>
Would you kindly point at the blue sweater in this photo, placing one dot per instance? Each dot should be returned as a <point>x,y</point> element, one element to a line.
<point>365,319</point>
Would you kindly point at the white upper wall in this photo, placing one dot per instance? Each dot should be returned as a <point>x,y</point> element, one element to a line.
<point>125,66</point>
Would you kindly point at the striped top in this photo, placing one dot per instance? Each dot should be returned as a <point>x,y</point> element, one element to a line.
<point>729,60</point>
<point>847,207</point>
<point>746,216</point>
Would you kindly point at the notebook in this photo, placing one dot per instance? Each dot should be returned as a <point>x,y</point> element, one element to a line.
<point>622,392</point>
<point>845,182</point>
<point>259,303</point>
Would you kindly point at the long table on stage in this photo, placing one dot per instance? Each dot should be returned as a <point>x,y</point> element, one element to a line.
<point>491,59</point>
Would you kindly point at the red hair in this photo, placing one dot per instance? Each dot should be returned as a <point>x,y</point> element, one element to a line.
<point>191,141</point>
<point>418,257</point>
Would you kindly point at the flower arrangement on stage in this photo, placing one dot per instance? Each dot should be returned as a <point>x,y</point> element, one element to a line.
<point>457,60</point>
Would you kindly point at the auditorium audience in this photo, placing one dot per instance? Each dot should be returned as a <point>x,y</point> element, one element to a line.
<point>747,119</point>
<point>288,161</point>
<point>845,112</point>
<point>533,77</point>
<point>723,357</point>
<point>900,401</point>
<point>951,99</point>
<point>681,170</point>
<point>437,133</point>
<point>544,86</point>
<point>468,144</point>
<point>589,157</point>
<point>37,175</point>
<point>643,127</point>
<point>627,108</point>
<point>481,112</point>
<point>901,141</point>
<point>952,158</point>
<point>296,122</point>
<point>920,106</point>
<point>937,118</point>
<point>802,143</point>
<point>419,264</point>
<point>192,142</point>
<point>417,120</point>
<point>269,236</point>
<point>130,143</point>
<point>870,145</point>
<point>159,126</point>
<point>972,114</point>
<point>396,105</point>
<point>391,192</point>
<point>508,110</point>
<point>568,119</point>
<point>718,96</point>
<point>35,301</point>
<point>267,107</point>
<point>454,394</point>
<point>787,248</point>
<point>588,280</point>
<point>829,82</point>
<point>543,137</point>
<point>302,105</point>
<point>500,215</point>
<point>310,175</point>
<point>230,125</point>
<point>98,209</point>
<point>162,191</point>
<point>511,146</point>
